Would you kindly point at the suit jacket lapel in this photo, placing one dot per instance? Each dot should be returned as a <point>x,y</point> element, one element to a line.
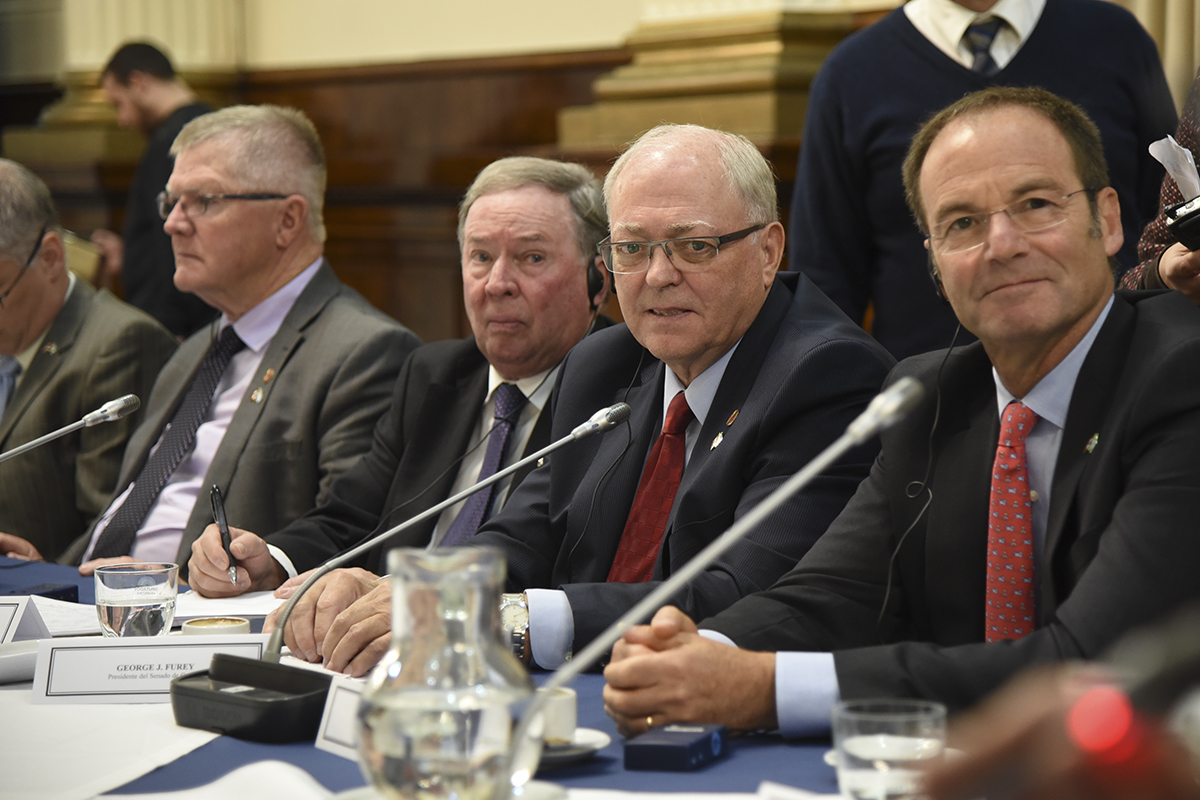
<point>59,339</point>
<point>319,291</point>
<point>623,459</point>
<point>1095,387</point>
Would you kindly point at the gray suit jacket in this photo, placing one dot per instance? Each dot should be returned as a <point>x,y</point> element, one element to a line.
<point>96,349</point>
<point>331,365</point>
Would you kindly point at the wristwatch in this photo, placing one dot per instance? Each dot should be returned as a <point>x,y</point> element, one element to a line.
<point>514,619</point>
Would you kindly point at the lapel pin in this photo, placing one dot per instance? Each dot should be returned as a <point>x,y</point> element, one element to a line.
<point>720,437</point>
<point>541,461</point>
<point>50,348</point>
<point>268,375</point>
<point>1092,442</point>
<point>732,417</point>
<point>257,395</point>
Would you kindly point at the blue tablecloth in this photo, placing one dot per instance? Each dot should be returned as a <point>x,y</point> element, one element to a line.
<point>751,759</point>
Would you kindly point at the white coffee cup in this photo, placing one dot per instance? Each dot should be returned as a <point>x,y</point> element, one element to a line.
<point>214,626</point>
<point>559,715</point>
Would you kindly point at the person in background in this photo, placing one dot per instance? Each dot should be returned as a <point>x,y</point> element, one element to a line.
<point>849,228</point>
<point>151,100</point>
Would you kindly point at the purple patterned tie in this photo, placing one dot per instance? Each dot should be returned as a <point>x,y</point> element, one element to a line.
<point>475,508</point>
<point>1009,601</point>
<point>117,538</point>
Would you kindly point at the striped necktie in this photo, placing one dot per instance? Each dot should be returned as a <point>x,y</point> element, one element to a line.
<point>979,38</point>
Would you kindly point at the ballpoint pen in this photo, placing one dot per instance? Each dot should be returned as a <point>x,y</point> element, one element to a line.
<point>218,509</point>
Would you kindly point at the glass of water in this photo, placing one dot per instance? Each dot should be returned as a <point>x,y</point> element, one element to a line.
<point>884,746</point>
<point>136,599</point>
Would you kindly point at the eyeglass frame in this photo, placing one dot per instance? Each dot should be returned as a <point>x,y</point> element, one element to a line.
<point>987,216</point>
<point>37,247</point>
<point>206,200</point>
<point>727,238</point>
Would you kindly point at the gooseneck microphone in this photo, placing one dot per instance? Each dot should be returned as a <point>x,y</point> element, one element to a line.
<point>109,412</point>
<point>886,409</point>
<point>603,420</point>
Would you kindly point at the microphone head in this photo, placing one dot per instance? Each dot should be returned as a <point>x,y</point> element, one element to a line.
<point>113,410</point>
<point>618,413</point>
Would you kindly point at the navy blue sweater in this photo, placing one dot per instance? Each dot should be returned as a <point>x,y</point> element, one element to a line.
<point>850,229</point>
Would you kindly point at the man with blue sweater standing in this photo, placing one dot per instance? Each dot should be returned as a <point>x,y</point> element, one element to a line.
<point>850,230</point>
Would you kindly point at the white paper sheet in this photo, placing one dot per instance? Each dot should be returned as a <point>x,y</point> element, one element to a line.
<point>252,604</point>
<point>67,619</point>
<point>76,752</point>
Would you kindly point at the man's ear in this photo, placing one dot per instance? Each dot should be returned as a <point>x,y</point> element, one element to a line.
<point>293,220</point>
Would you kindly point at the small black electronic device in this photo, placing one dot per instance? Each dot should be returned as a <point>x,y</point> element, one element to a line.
<point>677,748</point>
<point>1183,221</point>
<point>67,592</point>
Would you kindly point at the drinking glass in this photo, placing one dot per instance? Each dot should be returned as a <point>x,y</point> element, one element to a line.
<point>883,746</point>
<point>136,599</point>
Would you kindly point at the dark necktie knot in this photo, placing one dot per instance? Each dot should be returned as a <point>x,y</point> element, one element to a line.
<point>509,400</point>
<point>978,39</point>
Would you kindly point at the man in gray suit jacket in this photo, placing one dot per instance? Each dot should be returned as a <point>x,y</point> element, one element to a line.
<point>1039,503</point>
<point>277,398</point>
<point>74,349</point>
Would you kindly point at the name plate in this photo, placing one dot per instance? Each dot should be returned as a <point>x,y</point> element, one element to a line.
<point>20,620</point>
<point>132,670</point>
<point>338,733</point>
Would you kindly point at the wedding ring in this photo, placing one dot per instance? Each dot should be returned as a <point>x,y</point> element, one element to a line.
<point>649,722</point>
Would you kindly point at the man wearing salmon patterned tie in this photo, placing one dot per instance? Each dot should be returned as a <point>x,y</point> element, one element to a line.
<point>1039,502</point>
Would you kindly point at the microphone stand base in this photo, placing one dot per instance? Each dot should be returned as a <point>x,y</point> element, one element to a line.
<point>251,699</point>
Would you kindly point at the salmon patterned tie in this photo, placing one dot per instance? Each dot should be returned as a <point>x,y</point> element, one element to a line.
<point>642,537</point>
<point>1009,610</point>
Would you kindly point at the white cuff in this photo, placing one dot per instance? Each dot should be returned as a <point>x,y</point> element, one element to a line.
<point>283,560</point>
<point>805,690</point>
<point>551,627</point>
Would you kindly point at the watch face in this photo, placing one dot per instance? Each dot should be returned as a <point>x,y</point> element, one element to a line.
<point>512,615</point>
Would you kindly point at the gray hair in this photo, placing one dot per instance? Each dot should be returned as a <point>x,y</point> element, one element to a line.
<point>25,206</point>
<point>574,181</point>
<point>750,175</point>
<point>277,150</point>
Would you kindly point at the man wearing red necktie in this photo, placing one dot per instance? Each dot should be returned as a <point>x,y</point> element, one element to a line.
<point>1035,506</point>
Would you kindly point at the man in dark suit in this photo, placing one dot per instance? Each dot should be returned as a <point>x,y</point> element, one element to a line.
<point>73,350</point>
<point>151,99</point>
<point>528,231</point>
<point>752,375</point>
<point>277,398</point>
<point>1039,503</point>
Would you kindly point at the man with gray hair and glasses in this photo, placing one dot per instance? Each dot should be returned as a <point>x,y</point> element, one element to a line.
<point>278,397</point>
<point>65,350</point>
<point>737,377</point>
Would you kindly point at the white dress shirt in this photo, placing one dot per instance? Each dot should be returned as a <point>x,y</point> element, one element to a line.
<point>159,536</point>
<point>551,623</point>
<point>943,23</point>
<point>806,683</point>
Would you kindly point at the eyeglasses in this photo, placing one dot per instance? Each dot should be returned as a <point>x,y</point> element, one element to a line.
<point>195,204</point>
<point>37,246</point>
<point>695,252</point>
<point>1033,213</point>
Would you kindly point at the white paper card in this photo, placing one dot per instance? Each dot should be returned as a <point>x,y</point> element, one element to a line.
<point>20,620</point>
<point>132,670</point>
<point>192,605</point>
<point>338,733</point>
<point>1179,162</point>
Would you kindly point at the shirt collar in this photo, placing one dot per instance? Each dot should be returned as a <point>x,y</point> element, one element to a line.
<point>258,326</point>
<point>949,21</point>
<point>536,388</point>
<point>1050,398</point>
<point>701,391</point>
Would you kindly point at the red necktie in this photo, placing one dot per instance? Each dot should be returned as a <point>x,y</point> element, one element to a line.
<point>1009,610</point>
<point>642,538</point>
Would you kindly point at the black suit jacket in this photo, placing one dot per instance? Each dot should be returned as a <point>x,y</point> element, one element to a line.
<point>801,373</point>
<point>413,462</point>
<point>1121,545</point>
